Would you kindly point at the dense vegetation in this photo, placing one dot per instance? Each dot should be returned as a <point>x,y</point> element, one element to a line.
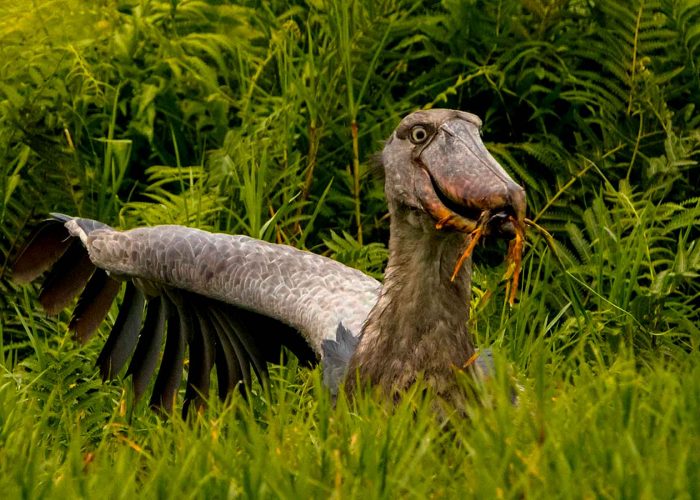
<point>261,118</point>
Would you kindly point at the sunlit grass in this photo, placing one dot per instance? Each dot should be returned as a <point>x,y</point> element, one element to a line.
<point>596,430</point>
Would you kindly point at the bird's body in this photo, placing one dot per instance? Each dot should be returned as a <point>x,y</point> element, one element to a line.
<point>235,300</point>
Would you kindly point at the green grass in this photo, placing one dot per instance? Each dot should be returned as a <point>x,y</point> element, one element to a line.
<point>261,118</point>
<point>579,429</point>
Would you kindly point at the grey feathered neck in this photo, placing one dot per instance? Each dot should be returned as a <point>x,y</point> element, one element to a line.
<point>419,325</point>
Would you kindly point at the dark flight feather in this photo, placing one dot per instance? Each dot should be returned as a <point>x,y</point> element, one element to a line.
<point>242,325</point>
<point>202,354</point>
<point>66,279</point>
<point>227,331</point>
<point>171,365</point>
<point>93,305</point>
<point>145,358</point>
<point>45,245</point>
<point>228,372</point>
<point>124,335</point>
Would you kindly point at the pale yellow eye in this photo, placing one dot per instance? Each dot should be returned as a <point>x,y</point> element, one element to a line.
<point>419,134</point>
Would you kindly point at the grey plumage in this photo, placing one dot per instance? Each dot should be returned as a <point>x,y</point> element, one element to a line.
<point>310,293</point>
<point>337,353</point>
<point>235,301</point>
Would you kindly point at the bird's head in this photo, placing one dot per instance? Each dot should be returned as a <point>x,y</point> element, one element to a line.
<point>436,162</point>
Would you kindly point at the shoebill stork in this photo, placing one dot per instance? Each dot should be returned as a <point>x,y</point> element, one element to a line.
<point>234,300</point>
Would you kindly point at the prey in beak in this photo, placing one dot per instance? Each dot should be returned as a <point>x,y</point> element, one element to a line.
<point>459,183</point>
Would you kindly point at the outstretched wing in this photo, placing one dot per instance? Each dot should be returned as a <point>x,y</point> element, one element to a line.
<point>233,300</point>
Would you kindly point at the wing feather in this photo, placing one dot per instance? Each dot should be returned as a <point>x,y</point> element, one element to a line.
<point>143,362</point>
<point>233,300</point>
<point>228,335</point>
<point>202,356</point>
<point>171,365</point>
<point>93,305</point>
<point>309,292</point>
<point>228,371</point>
<point>241,337</point>
<point>124,335</point>
<point>45,245</point>
<point>66,279</point>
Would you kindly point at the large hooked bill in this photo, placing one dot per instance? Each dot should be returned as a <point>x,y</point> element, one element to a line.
<point>466,190</point>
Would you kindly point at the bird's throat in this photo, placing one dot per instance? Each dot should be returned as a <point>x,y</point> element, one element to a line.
<point>418,328</point>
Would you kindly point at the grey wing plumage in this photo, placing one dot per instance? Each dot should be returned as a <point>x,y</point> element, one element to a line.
<point>336,357</point>
<point>233,300</point>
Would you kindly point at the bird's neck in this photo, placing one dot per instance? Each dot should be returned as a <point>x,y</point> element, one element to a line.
<point>418,328</point>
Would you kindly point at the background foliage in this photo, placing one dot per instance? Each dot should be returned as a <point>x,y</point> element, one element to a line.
<point>261,118</point>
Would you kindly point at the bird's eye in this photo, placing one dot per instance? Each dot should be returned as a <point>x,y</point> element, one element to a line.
<point>418,134</point>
